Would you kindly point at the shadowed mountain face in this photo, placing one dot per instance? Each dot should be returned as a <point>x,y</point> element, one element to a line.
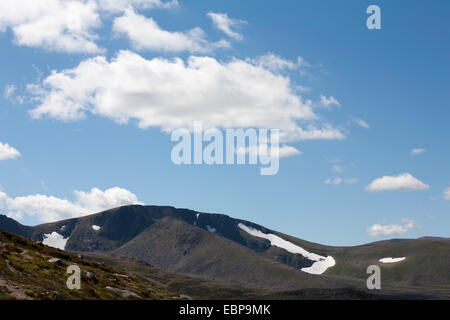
<point>120,225</point>
<point>13,226</point>
<point>192,250</point>
<point>219,247</point>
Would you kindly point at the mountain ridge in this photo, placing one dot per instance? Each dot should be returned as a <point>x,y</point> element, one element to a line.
<point>219,247</point>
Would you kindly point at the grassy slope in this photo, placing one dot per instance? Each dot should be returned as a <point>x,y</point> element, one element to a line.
<point>192,250</point>
<point>25,273</point>
<point>426,269</point>
<point>202,288</point>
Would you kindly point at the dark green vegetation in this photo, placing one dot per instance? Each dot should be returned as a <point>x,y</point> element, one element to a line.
<point>426,268</point>
<point>27,271</point>
<point>175,250</point>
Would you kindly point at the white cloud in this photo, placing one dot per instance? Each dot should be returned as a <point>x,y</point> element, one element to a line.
<point>288,151</point>
<point>337,168</point>
<point>447,194</point>
<point>121,5</point>
<point>9,91</point>
<point>145,34</point>
<point>378,230</point>
<point>226,24</point>
<point>335,160</point>
<point>173,94</point>
<point>301,62</point>
<point>402,182</point>
<point>49,208</point>
<point>274,63</point>
<point>277,64</point>
<point>98,200</point>
<point>339,180</point>
<point>328,102</point>
<point>64,25</point>
<point>58,25</point>
<point>7,152</point>
<point>417,151</point>
<point>361,123</point>
<point>283,152</point>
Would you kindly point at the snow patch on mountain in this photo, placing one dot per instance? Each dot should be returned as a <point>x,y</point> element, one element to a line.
<point>55,240</point>
<point>392,260</point>
<point>96,228</point>
<point>320,265</point>
<point>210,229</point>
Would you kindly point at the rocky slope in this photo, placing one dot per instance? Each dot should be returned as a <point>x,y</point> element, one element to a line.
<point>30,270</point>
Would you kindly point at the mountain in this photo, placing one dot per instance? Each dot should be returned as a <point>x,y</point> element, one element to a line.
<point>15,227</point>
<point>220,248</point>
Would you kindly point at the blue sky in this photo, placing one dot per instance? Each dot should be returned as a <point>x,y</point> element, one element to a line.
<point>395,79</point>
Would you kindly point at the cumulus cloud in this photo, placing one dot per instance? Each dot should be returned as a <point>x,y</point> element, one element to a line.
<point>339,180</point>
<point>56,25</point>
<point>447,194</point>
<point>226,24</point>
<point>145,34</point>
<point>378,230</point>
<point>417,151</point>
<point>173,94</point>
<point>49,208</point>
<point>402,182</point>
<point>64,25</point>
<point>98,200</point>
<point>7,152</point>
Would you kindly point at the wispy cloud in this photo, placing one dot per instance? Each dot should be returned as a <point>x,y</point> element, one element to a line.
<point>283,152</point>
<point>226,24</point>
<point>329,102</point>
<point>339,180</point>
<point>9,90</point>
<point>446,194</point>
<point>360,122</point>
<point>417,151</point>
<point>274,63</point>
